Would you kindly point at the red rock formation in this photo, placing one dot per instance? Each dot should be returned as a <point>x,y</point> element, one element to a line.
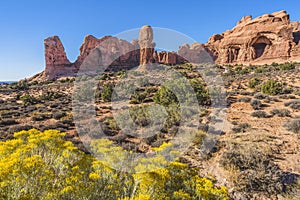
<point>196,53</point>
<point>119,53</point>
<point>265,39</point>
<point>295,51</point>
<point>115,53</point>
<point>89,43</point>
<point>55,58</point>
<point>146,45</point>
<point>170,58</point>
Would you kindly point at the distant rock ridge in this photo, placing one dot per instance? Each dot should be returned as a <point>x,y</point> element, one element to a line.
<point>263,40</point>
<point>123,54</point>
<point>60,66</point>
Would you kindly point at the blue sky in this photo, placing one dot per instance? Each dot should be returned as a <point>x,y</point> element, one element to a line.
<point>25,24</point>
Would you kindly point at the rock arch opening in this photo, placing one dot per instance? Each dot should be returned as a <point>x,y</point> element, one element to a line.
<point>259,45</point>
<point>296,36</point>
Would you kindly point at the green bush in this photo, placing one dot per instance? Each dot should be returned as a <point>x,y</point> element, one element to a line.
<point>260,70</point>
<point>107,92</point>
<point>29,100</point>
<point>49,95</point>
<point>287,66</point>
<point>201,91</point>
<point>164,97</point>
<point>272,87</point>
<point>21,85</point>
<point>67,80</point>
<point>254,82</point>
<point>138,97</point>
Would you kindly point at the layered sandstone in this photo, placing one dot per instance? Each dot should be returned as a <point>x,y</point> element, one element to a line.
<point>195,53</point>
<point>115,54</point>
<point>146,45</point>
<point>265,39</point>
<point>112,53</point>
<point>148,55</point>
<point>56,59</point>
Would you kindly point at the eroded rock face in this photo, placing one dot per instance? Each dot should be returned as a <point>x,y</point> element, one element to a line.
<point>195,53</point>
<point>295,51</point>
<point>119,53</point>
<point>115,54</point>
<point>55,58</point>
<point>147,45</point>
<point>89,43</point>
<point>265,39</point>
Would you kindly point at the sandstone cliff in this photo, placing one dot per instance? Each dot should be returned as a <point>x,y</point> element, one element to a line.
<point>56,59</point>
<point>265,39</point>
<point>115,53</point>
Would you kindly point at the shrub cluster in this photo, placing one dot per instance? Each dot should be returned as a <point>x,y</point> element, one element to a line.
<point>281,112</point>
<point>253,83</point>
<point>293,126</point>
<point>256,170</point>
<point>293,104</point>
<point>272,87</point>
<point>107,92</point>
<point>40,165</point>
<point>256,104</point>
<point>260,114</point>
<point>241,128</point>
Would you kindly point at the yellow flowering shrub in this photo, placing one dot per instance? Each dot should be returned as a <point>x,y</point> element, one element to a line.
<point>41,165</point>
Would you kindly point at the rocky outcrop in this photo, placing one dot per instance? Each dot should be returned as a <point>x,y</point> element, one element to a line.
<point>89,43</point>
<point>265,39</point>
<point>295,51</point>
<point>147,53</point>
<point>118,54</point>
<point>169,58</point>
<point>56,59</point>
<point>195,53</point>
<point>115,53</point>
<point>146,45</point>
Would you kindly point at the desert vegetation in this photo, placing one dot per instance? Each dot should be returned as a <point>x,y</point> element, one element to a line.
<point>255,156</point>
<point>41,165</point>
